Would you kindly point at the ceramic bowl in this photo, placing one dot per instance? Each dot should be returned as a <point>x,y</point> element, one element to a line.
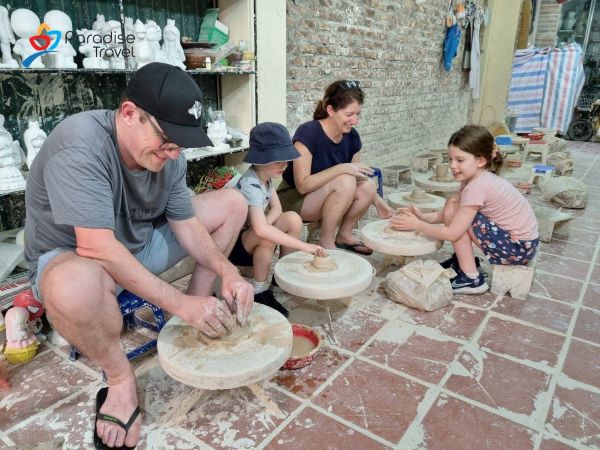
<point>536,136</point>
<point>513,162</point>
<point>524,188</point>
<point>297,362</point>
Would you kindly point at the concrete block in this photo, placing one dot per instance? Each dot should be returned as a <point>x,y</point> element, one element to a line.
<point>515,280</point>
<point>550,220</point>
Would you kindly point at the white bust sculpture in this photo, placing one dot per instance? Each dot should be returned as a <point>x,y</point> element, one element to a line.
<point>111,32</point>
<point>172,45</point>
<point>34,138</point>
<point>141,47</point>
<point>91,47</point>
<point>11,177</point>
<point>7,37</point>
<point>25,24</point>
<point>153,35</point>
<point>98,23</point>
<point>64,51</point>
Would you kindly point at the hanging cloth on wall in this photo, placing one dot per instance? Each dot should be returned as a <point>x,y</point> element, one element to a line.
<point>466,62</point>
<point>474,74</point>
<point>451,44</point>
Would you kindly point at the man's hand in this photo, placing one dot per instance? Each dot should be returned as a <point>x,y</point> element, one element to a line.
<point>209,315</point>
<point>239,295</point>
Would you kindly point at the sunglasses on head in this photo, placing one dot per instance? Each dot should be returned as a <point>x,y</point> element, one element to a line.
<point>350,84</point>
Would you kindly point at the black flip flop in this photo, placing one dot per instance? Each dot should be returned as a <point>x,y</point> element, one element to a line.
<point>100,399</point>
<point>354,247</point>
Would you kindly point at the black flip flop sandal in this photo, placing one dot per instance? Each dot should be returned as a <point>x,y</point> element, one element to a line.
<point>100,399</point>
<point>354,247</point>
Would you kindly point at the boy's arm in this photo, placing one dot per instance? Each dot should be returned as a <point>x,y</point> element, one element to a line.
<point>275,209</point>
<point>266,231</point>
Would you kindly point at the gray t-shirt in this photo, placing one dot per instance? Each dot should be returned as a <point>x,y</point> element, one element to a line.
<point>256,193</point>
<point>78,179</point>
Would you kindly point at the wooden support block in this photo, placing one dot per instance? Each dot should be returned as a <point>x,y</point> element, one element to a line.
<point>425,161</point>
<point>515,280</point>
<point>550,220</point>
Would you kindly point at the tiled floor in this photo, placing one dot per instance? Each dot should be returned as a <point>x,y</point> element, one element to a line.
<point>485,372</point>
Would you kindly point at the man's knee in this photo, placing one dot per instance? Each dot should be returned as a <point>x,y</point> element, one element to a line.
<point>75,281</point>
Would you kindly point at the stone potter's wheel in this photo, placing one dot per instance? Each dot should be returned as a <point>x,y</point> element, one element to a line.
<point>427,204</point>
<point>352,275</point>
<point>381,238</point>
<point>427,182</point>
<point>248,355</point>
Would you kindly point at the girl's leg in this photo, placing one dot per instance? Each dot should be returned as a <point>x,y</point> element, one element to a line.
<point>462,246</point>
<point>290,223</point>
<point>328,204</point>
<point>363,198</point>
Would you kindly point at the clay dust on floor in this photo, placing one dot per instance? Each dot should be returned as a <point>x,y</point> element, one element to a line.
<point>485,372</point>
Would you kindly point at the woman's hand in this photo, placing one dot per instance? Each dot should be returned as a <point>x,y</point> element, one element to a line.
<point>404,220</point>
<point>384,210</point>
<point>357,170</point>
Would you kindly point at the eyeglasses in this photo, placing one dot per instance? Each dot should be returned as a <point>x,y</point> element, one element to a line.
<point>350,84</point>
<point>166,146</point>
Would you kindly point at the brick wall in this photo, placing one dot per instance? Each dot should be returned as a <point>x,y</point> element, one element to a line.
<point>394,47</point>
<point>547,25</point>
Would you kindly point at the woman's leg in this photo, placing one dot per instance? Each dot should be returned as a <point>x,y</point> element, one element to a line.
<point>366,191</point>
<point>290,223</point>
<point>462,246</point>
<point>329,204</point>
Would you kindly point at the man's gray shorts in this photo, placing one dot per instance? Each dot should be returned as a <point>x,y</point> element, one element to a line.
<point>161,253</point>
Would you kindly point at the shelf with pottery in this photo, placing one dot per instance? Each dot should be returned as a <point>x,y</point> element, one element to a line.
<point>193,154</point>
<point>214,71</point>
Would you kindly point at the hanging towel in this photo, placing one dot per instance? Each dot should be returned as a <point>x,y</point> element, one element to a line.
<point>526,93</point>
<point>474,74</point>
<point>564,83</point>
<point>451,44</point>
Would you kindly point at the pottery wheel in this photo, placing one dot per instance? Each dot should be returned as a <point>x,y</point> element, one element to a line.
<point>352,275</point>
<point>425,181</point>
<point>380,237</point>
<point>248,355</point>
<point>430,203</point>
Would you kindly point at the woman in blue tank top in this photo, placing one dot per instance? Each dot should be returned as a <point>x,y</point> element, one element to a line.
<point>328,182</point>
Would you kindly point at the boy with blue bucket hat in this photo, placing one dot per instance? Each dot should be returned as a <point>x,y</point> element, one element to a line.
<point>270,150</point>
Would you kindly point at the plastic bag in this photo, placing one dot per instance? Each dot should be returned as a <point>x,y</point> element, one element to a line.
<point>421,284</point>
<point>567,192</point>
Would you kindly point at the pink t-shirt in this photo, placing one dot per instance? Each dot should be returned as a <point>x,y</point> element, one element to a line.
<point>499,201</point>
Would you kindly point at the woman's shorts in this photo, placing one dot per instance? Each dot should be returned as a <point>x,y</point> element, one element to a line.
<point>498,246</point>
<point>290,198</point>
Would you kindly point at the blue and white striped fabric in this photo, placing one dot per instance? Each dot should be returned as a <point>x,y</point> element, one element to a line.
<point>545,86</point>
<point>526,93</point>
<point>564,83</point>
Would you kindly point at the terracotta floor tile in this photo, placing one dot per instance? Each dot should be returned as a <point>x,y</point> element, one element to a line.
<point>373,399</point>
<point>547,313</point>
<point>595,278</point>
<point>484,300</point>
<point>552,444</point>
<point>497,382</point>
<point>570,250</point>
<point>455,321</point>
<point>452,424</point>
<point>588,325</point>
<point>558,265</point>
<point>41,383</point>
<point>583,223</point>
<point>582,363</point>
<point>313,430</point>
<point>303,382</point>
<point>383,307</point>
<point>424,357</point>
<point>521,341</point>
<point>591,297</point>
<point>571,234</point>
<point>575,415</point>
<point>353,330</point>
<point>558,288</point>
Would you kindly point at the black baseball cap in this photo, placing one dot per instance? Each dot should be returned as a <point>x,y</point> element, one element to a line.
<point>270,142</point>
<point>173,98</point>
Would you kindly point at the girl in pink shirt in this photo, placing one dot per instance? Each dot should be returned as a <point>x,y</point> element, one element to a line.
<point>487,211</point>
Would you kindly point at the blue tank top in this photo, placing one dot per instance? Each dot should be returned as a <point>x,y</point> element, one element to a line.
<point>325,152</point>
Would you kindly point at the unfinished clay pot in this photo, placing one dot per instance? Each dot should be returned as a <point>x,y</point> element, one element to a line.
<point>441,171</point>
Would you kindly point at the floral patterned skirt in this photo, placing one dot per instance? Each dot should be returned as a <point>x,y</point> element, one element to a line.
<point>498,245</point>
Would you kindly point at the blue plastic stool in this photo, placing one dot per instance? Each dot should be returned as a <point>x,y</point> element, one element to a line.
<point>377,173</point>
<point>129,303</point>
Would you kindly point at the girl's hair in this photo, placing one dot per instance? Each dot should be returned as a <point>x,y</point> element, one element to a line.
<point>478,141</point>
<point>339,94</point>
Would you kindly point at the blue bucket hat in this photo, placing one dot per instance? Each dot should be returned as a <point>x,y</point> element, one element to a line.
<point>270,142</point>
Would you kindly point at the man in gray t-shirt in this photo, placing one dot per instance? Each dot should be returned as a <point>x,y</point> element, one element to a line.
<point>108,209</point>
